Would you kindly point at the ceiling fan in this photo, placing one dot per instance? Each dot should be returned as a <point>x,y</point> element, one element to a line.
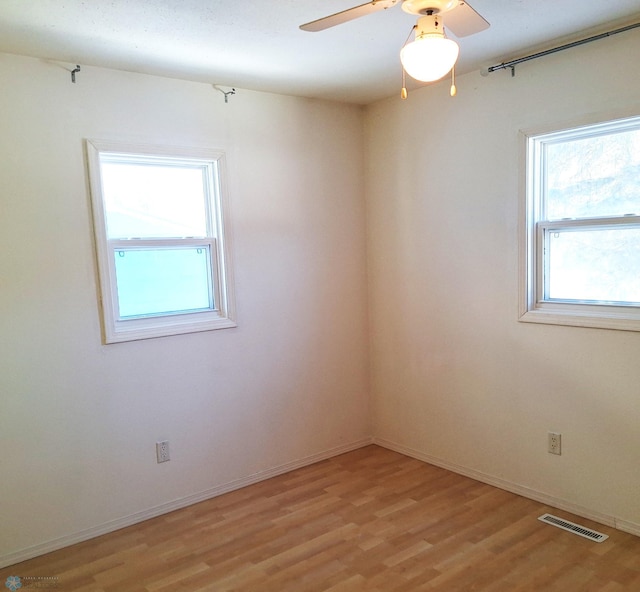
<point>431,55</point>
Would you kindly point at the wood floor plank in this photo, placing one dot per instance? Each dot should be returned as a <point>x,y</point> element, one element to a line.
<point>370,520</point>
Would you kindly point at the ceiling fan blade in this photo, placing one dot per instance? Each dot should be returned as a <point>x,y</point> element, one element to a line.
<point>347,15</point>
<point>463,20</point>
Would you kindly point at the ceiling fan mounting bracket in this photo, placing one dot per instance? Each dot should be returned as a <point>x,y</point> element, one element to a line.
<point>428,7</point>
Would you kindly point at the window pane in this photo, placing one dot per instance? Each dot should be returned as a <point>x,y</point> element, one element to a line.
<point>153,200</point>
<point>595,265</point>
<point>163,281</point>
<point>595,176</point>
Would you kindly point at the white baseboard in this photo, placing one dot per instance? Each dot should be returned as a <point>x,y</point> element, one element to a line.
<point>89,533</point>
<point>630,527</point>
<point>78,537</point>
<point>527,492</point>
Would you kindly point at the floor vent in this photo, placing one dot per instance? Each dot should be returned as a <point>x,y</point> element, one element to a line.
<point>587,533</point>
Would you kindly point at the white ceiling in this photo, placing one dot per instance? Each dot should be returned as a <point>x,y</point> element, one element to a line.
<point>258,45</point>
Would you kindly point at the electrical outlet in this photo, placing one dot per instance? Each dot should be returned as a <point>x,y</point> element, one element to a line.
<point>162,451</point>
<point>555,443</point>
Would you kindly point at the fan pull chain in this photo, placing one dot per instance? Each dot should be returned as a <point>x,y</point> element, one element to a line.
<point>453,91</point>
<point>403,92</point>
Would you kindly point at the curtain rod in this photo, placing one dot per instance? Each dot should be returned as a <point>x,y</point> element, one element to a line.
<point>513,63</point>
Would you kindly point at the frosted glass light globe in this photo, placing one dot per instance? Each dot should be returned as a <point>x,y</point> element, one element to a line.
<point>429,57</point>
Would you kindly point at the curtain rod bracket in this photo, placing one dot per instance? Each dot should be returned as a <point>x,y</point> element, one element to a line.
<point>73,73</point>
<point>226,94</point>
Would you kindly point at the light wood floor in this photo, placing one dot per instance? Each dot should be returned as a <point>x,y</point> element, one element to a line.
<point>370,520</point>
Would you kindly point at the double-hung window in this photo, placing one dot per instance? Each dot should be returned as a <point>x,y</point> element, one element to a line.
<point>581,247</point>
<point>160,217</point>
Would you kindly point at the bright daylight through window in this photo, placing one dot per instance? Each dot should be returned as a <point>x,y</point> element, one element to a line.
<point>163,259</point>
<point>581,251</point>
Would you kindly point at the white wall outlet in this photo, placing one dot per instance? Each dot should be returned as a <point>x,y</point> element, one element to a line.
<point>555,443</point>
<point>162,451</point>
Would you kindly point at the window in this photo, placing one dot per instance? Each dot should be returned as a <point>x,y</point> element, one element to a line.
<point>163,259</point>
<point>581,248</point>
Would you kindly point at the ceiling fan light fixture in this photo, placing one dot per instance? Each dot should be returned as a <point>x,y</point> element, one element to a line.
<point>431,55</point>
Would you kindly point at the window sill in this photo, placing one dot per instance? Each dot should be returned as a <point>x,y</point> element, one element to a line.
<point>138,329</point>
<point>584,316</point>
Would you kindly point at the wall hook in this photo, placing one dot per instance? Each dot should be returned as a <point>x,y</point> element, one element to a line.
<point>73,73</point>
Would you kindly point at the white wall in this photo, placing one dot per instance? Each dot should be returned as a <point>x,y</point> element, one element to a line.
<point>79,420</point>
<point>456,378</point>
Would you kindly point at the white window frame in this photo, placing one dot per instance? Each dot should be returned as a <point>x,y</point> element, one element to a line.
<point>535,306</point>
<point>218,240</point>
